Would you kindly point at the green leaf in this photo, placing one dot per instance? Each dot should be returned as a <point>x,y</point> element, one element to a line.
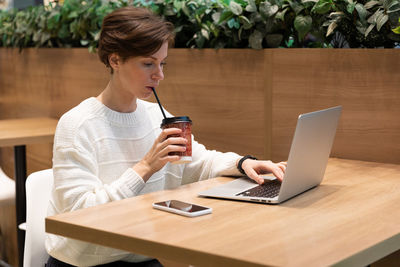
<point>322,7</point>
<point>185,9</point>
<point>226,15</point>
<point>336,14</point>
<point>369,29</point>
<point>274,40</point>
<point>178,5</point>
<point>361,27</point>
<point>246,23</point>
<point>389,4</point>
<point>200,40</point>
<point>255,40</point>
<point>233,23</point>
<point>381,20</point>
<point>281,14</point>
<point>267,9</point>
<point>235,8</point>
<point>44,38</point>
<point>251,7</point>
<point>396,30</point>
<point>63,32</point>
<point>362,12</point>
<point>73,15</point>
<point>169,11</point>
<point>302,24</point>
<point>331,28</point>
<point>205,33</point>
<point>370,4</point>
<point>350,8</point>
<point>37,35</point>
<point>92,49</point>
<point>297,7</point>
<point>372,19</point>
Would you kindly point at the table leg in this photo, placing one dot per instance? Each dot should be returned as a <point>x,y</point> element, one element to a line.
<point>20,196</point>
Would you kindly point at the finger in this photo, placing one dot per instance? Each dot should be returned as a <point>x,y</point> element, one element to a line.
<point>171,148</point>
<point>170,158</point>
<point>252,174</point>
<point>169,131</point>
<point>175,141</point>
<point>278,173</point>
<point>282,166</point>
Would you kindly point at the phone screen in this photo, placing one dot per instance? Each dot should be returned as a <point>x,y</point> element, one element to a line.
<point>179,205</point>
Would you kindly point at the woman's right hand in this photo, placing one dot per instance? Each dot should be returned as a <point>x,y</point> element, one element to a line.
<point>158,156</point>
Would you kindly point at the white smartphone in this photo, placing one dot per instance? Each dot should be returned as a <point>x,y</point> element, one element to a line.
<point>182,208</point>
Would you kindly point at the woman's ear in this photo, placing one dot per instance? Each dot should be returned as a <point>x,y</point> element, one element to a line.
<point>114,61</point>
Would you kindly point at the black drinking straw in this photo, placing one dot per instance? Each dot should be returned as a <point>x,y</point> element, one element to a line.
<point>158,101</point>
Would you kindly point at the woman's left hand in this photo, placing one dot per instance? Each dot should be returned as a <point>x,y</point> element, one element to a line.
<point>253,169</point>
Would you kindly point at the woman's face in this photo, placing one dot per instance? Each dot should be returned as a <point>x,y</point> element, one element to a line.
<point>136,76</point>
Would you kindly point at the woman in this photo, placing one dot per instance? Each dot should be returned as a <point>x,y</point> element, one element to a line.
<point>111,147</point>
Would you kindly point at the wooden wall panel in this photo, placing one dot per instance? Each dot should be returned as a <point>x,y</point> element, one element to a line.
<point>366,82</point>
<point>45,82</point>
<point>223,93</point>
<point>8,237</point>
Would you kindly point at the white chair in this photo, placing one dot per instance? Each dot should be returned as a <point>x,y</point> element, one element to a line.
<point>38,190</point>
<point>7,189</point>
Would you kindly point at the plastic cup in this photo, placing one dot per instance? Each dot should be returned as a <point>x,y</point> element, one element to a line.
<point>185,124</point>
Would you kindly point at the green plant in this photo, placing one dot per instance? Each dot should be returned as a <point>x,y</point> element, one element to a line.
<point>239,23</point>
<point>397,30</point>
<point>76,23</point>
<point>363,23</point>
<point>214,23</point>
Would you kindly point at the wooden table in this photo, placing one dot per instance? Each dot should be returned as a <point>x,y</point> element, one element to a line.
<point>19,133</point>
<point>351,219</point>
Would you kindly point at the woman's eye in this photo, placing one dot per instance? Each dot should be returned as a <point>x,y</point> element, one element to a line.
<point>151,64</point>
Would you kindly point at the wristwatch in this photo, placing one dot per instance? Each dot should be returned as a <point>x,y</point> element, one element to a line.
<point>239,165</point>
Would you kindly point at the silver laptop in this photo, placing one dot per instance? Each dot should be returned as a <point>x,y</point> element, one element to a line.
<point>308,157</point>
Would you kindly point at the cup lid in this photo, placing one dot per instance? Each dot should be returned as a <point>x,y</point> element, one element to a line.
<point>175,120</point>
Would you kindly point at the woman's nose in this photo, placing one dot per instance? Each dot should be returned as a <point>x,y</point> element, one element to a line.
<point>158,75</point>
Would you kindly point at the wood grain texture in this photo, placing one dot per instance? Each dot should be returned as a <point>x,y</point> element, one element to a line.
<point>365,82</point>
<point>8,234</point>
<point>24,131</point>
<point>45,82</point>
<point>223,93</point>
<point>348,220</point>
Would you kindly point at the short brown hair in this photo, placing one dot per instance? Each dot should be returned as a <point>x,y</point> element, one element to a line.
<point>131,32</point>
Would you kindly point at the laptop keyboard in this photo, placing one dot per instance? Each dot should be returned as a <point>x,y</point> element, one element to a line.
<point>269,189</point>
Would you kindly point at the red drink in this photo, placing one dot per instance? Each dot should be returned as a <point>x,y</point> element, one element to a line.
<point>185,124</point>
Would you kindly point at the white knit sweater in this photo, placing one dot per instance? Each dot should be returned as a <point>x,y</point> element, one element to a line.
<point>94,150</point>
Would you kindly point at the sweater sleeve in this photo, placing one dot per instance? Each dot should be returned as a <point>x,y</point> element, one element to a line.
<point>209,164</point>
<point>76,182</point>
<point>205,163</point>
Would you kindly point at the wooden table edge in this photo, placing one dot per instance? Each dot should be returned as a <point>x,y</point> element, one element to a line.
<point>372,254</point>
<point>142,246</point>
